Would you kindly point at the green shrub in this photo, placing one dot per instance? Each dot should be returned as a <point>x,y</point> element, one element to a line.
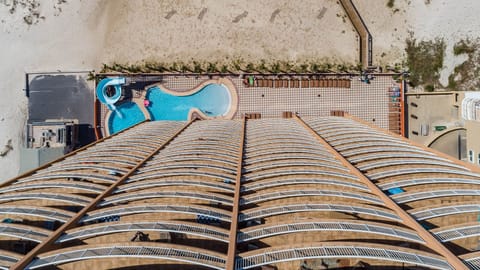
<point>463,47</point>
<point>233,66</point>
<point>390,3</point>
<point>429,88</point>
<point>425,60</point>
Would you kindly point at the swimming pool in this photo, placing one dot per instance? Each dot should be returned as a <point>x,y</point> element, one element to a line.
<point>209,99</point>
<point>212,100</point>
<point>126,115</point>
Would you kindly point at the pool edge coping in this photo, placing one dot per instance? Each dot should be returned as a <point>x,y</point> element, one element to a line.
<point>229,85</point>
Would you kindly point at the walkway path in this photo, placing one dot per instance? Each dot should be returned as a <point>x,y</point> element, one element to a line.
<point>362,30</point>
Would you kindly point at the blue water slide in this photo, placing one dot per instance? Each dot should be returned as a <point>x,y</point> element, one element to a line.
<point>117,83</point>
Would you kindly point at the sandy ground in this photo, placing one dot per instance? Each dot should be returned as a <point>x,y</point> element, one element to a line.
<point>80,35</point>
<point>212,30</point>
<point>70,39</point>
<point>451,21</point>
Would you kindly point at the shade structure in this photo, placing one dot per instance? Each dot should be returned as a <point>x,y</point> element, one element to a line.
<point>242,194</point>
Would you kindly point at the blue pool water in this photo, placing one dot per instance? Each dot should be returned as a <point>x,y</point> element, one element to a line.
<point>127,115</point>
<point>212,100</point>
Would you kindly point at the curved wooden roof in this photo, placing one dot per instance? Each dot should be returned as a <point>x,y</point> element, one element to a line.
<point>220,190</point>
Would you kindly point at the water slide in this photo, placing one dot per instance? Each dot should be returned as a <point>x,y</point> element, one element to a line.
<point>102,88</point>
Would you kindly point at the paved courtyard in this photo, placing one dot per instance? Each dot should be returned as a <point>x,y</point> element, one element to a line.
<point>367,101</point>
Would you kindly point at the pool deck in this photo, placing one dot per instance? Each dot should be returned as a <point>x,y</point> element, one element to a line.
<point>370,102</point>
<point>142,107</point>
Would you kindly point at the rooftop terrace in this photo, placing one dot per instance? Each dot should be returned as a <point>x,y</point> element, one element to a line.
<point>377,102</point>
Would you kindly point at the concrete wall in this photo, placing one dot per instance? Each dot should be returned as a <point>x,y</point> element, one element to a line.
<point>432,110</point>
<point>473,140</point>
<point>32,158</point>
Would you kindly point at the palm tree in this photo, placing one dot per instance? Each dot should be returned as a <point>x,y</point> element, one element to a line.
<point>106,68</point>
<point>342,68</point>
<point>197,67</point>
<point>174,67</point>
<point>262,68</point>
<point>304,68</point>
<point>185,68</point>
<point>326,67</point>
<point>275,68</point>
<point>133,68</point>
<point>249,67</point>
<point>237,65</point>
<point>149,66</point>
<point>289,67</point>
<point>91,76</point>
<point>212,68</point>
<point>117,67</point>
<point>161,67</point>
<point>224,69</point>
<point>314,67</point>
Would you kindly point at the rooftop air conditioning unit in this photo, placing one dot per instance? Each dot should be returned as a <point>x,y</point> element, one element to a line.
<point>424,129</point>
